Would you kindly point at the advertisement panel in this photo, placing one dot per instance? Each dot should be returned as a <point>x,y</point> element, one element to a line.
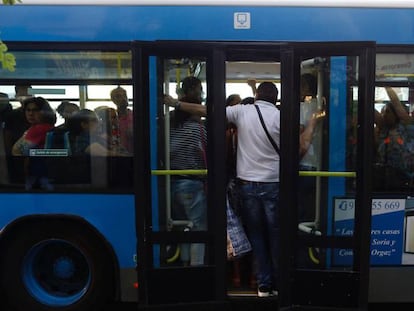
<point>387,230</point>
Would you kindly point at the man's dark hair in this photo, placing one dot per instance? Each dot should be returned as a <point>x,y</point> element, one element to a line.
<point>187,86</point>
<point>61,108</point>
<point>189,83</point>
<point>312,83</point>
<point>267,91</point>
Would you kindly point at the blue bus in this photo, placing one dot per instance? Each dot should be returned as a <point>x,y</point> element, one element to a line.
<point>100,228</point>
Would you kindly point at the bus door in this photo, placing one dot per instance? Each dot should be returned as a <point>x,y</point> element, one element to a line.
<point>180,208</point>
<point>325,189</point>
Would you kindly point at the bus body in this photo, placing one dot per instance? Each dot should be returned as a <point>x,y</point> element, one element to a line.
<point>74,245</point>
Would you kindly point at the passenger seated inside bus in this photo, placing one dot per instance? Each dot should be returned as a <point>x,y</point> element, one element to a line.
<point>41,118</point>
<point>84,128</point>
<point>66,109</point>
<point>59,157</point>
<point>58,137</point>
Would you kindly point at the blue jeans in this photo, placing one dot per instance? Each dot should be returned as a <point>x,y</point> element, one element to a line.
<point>260,214</point>
<point>189,198</point>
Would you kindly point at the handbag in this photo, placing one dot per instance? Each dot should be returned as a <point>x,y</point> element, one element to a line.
<point>237,242</point>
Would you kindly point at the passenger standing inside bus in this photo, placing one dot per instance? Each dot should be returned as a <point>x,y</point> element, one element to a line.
<point>231,153</point>
<point>188,141</point>
<point>125,118</point>
<point>233,99</point>
<point>309,145</point>
<point>109,127</point>
<point>394,169</point>
<point>42,119</point>
<point>232,195</point>
<point>243,264</point>
<point>258,175</point>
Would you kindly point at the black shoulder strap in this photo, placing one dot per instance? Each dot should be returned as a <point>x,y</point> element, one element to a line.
<point>275,146</point>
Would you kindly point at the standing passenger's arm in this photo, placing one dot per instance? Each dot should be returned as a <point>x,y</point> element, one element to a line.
<point>397,105</point>
<point>306,136</point>
<point>191,108</point>
<point>252,84</point>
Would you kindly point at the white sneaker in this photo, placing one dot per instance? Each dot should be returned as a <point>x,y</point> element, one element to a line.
<point>263,291</point>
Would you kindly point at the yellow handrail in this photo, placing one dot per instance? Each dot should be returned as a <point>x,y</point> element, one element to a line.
<point>327,174</point>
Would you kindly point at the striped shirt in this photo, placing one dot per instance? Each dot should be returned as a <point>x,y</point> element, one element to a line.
<point>187,146</point>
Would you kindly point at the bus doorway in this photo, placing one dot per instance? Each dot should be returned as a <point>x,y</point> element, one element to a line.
<point>323,263</point>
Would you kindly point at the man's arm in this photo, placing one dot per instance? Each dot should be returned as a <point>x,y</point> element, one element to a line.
<point>194,109</point>
<point>252,84</point>
<point>306,136</point>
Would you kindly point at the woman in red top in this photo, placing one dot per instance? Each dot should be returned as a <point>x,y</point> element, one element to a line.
<point>42,119</point>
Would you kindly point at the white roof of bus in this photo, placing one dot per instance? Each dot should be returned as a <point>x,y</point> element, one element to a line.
<point>290,3</point>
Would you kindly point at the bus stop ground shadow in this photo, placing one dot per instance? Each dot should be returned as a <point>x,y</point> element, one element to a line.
<point>244,305</point>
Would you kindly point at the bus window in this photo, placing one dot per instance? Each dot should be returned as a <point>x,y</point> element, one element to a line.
<point>106,164</point>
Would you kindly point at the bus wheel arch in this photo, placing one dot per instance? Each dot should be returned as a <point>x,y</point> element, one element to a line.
<point>56,262</point>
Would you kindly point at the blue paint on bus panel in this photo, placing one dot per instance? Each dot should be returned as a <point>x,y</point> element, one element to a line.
<point>111,214</point>
<point>337,127</point>
<point>74,23</point>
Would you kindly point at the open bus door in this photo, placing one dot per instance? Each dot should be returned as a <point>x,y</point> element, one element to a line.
<point>326,239</point>
<point>324,260</point>
<point>167,238</point>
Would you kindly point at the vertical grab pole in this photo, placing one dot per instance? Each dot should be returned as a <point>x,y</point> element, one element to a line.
<point>167,150</point>
<point>321,103</point>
